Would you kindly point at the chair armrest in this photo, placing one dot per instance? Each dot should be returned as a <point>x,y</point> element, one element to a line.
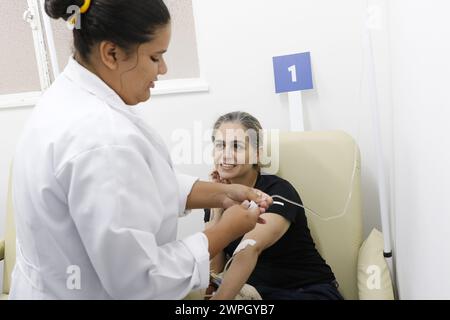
<point>2,250</point>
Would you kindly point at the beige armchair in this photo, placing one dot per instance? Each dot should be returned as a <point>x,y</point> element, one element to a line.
<point>325,168</point>
<point>8,245</point>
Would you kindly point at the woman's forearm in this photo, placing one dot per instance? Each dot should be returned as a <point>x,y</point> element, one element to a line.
<point>237,275</point>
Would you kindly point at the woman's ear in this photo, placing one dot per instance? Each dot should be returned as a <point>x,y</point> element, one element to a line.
<point>109,54</point>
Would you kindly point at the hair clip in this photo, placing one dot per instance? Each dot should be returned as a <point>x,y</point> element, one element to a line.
<point>85,7</point>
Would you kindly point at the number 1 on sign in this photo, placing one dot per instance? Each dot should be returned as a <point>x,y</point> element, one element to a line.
<point>293,71</point>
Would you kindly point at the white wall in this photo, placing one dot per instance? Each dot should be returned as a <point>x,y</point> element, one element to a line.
<point>420,53</point>
<point>236,41</point>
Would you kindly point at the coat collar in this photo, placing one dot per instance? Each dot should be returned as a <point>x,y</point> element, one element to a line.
<point>93,84</point>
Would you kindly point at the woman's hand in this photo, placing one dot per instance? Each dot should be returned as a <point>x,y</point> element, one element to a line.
<point>215,177</point>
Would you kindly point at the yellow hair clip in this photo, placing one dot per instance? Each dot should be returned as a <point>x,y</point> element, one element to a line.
<point>85,7</point>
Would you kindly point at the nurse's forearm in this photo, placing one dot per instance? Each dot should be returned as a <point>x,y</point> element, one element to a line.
<point>218,263</point>
<point>218,238</point>
<point>206,195</point>
<point>236,221</point>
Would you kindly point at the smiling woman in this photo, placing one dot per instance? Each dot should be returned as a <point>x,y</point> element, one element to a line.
<point>278,258</point>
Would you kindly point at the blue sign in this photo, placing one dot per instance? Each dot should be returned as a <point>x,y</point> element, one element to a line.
<point>293,72</point>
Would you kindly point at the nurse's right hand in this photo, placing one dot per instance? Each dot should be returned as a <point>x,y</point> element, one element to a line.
<point>239,219</point>
<point>234,223</point>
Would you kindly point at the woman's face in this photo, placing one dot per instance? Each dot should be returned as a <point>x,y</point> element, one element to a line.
<point>234,155</point>
<point>138,73</point>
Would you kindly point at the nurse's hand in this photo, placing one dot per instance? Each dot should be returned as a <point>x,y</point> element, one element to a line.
<point>236,194</point>
<point>220,195</point>
<point>239,219</point>
<point>234,223</point>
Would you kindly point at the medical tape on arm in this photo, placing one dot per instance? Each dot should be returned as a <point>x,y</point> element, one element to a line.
<point>244,244</point>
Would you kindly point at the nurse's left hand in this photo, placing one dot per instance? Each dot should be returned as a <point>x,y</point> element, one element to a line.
<point>236,194</point>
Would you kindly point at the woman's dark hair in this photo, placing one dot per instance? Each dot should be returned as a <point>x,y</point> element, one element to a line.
<point>127,23</point>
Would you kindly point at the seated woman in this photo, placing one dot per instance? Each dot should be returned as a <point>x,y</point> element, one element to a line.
<point>283,263</point>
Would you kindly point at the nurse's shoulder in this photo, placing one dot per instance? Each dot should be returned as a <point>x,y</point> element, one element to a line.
<point>71,120</point>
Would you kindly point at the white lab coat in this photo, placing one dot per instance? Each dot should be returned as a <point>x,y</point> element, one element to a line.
<point>97,201</point>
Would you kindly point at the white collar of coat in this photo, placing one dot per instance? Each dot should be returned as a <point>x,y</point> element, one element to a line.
<point>91,83</point>
<point>94,85</point>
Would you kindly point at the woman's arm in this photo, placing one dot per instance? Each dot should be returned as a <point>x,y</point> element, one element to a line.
<point>245,261</point>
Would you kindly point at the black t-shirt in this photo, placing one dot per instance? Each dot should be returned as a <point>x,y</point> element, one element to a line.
<point>293,261</point>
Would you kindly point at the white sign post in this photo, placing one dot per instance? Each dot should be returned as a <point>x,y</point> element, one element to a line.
<point>292,75</point>
<point>296,111</point>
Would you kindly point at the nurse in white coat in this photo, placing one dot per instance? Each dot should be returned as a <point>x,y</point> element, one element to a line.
<point>95,193</point>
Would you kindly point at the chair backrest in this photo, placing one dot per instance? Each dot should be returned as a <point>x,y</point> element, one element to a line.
<point>324,167</point>
<point>10,240</point>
